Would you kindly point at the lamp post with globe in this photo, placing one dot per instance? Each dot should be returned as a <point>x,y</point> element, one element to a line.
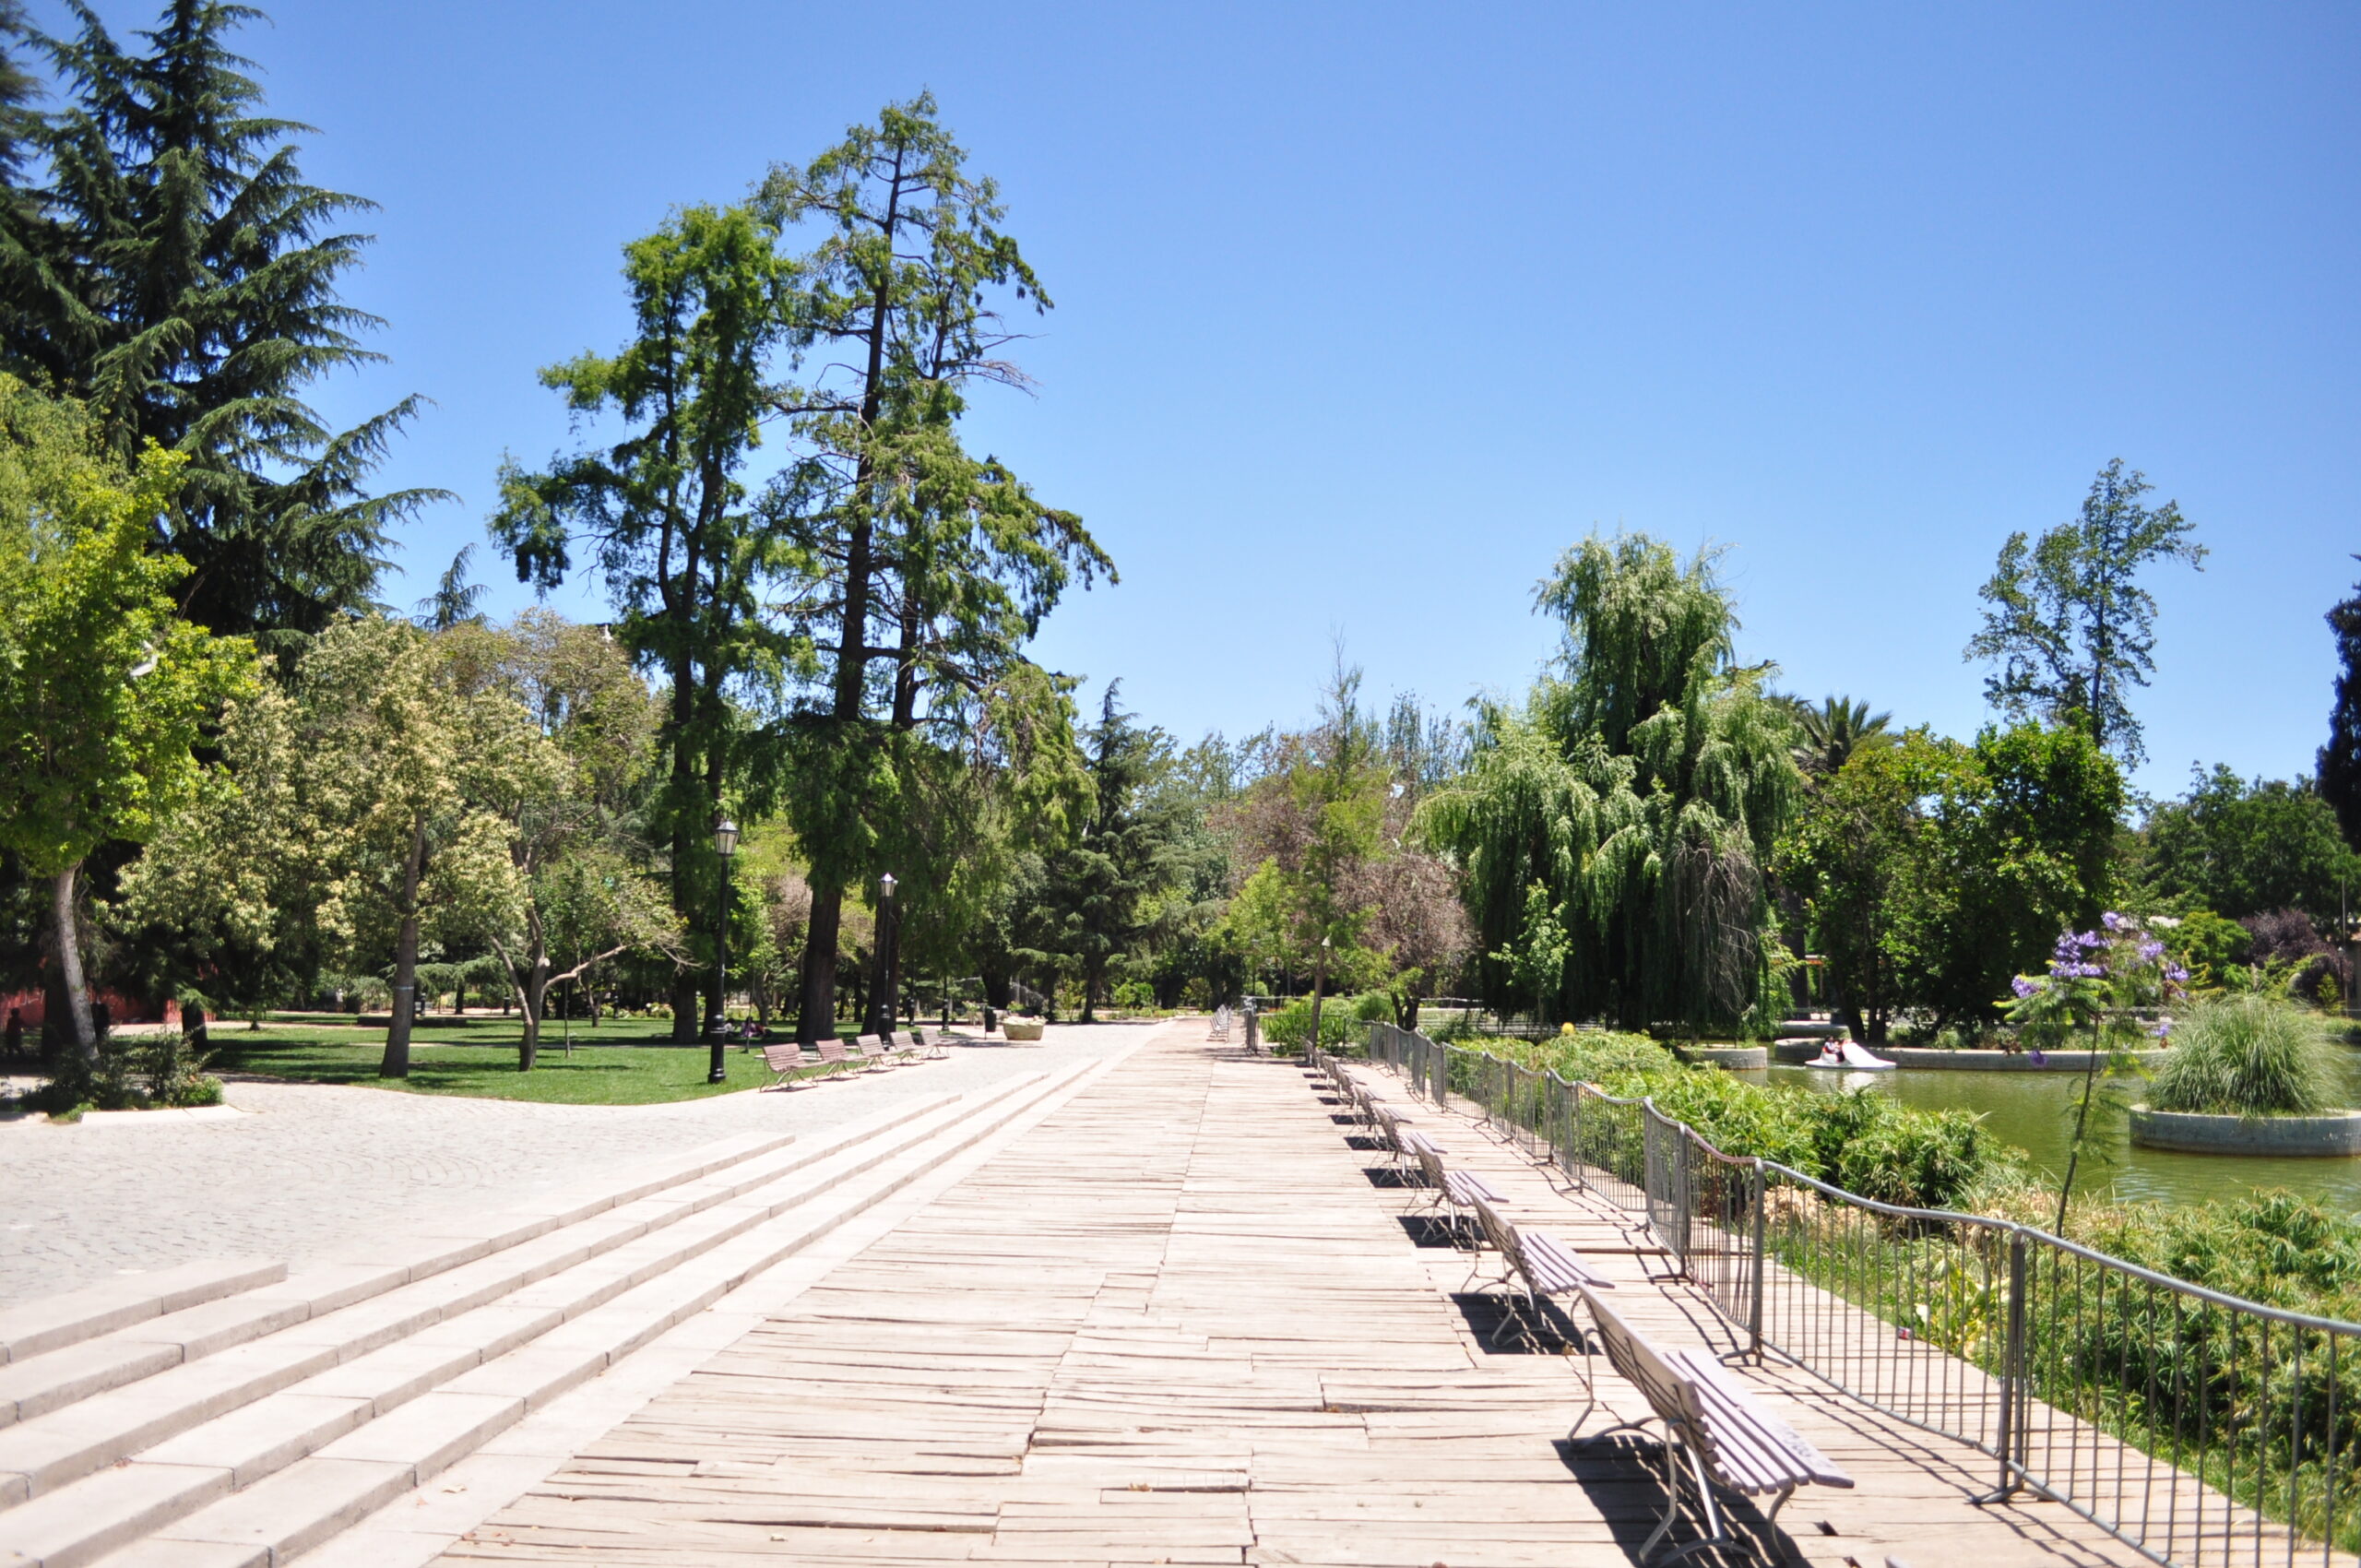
<point>716,1018</point>
<point>883,1008</point>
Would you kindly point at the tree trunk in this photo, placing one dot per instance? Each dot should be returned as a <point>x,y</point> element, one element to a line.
<point>1094,975</point>
<point>56,1016</point>
<point>82,1039</point>
<point>1319,984</point>
<point>687,997</point>
<point>532,998</point>
<point>397,1062</point>
<point>818,1002</point>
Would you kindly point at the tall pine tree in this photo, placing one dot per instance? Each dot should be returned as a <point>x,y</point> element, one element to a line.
<point>1098,892</point>
<point>177,275</point>
<point>2339,760</point>
<point>931,568</point>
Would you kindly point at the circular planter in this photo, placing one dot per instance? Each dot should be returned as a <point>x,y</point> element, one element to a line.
<point>1021,1028</point>
<point>1739,1056</point>
<point>2336,1132</point>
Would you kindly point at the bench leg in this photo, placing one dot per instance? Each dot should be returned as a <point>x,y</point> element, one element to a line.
<point>1675,1453</point>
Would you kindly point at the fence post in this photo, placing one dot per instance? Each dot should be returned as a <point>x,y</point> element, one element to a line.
<point>1754,1304</point>
<point>2012,1445</point>
<point>1582,1183</point>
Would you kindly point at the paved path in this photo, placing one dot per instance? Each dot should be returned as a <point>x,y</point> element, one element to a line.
<point>313,1166</point>
<point>1179,1321</point>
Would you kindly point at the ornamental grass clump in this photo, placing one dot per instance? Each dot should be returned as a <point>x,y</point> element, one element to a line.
<point>2245,1055</point>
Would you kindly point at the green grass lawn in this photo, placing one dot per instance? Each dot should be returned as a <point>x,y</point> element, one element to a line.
<point>632,1063</point>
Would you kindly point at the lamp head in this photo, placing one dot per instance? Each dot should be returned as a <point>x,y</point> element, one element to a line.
<point>886,885</point>
<point>725,837</point>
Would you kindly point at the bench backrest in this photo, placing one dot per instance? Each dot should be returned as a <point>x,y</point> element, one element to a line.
<point>1430,1158</point>
<point>1668,1392</point>
<point>780,1058</point>
<point>832,1048</point>
<point>1500,1232</point>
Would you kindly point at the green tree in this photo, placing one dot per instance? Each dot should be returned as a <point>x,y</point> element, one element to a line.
<point>2015,850</point>
<point>1642,788</point>
<point>104,690</point>
<point>2240,848</point>
<point>371,811</point>
<point>579,897</point>
<point>1317,818</point>
<point>18,93</point>
<point>931,568</point>
<point>1100,891</point>
<point>2069,624</point>
<point>1858,853</point>
<point>668,519</point>
<point>2339,760</point>
<point>179,276</point>
<point>1832,732</point>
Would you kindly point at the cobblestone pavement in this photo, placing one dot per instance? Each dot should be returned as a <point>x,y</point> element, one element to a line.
<point>313,1166</point>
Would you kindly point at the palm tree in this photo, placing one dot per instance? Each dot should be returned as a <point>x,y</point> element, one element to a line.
<point>1833,731</point>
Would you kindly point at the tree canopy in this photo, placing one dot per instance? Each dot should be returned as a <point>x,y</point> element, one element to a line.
<point>2069,625</point>
<point>1615,830</point>
<point>104,690</point>
<point>172,269</point>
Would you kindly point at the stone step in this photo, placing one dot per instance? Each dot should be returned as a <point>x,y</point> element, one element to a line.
<point>316,1498</point>
<point>546,1336</point>
<point>229,1353</point>
<point>38,1328</point>
<point>69,1347</point>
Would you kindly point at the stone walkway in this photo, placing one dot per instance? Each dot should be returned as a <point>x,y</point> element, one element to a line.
<point>1181,1321</point>
<point>309,1168</point>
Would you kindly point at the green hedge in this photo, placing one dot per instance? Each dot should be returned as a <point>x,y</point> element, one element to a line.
<point>1863,1143</point>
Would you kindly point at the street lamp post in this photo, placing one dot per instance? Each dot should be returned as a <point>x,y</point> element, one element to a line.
<point>1318,980</point>
<point>881,1007</point>
<point>716,1018</point>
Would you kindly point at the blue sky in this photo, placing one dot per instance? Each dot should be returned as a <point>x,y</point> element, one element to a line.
<point>1366,311</point>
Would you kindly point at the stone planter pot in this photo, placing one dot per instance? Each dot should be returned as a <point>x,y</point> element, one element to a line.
<point>1739,1056</point>
<point>2332,1134</point>
<point>1021,1030</point>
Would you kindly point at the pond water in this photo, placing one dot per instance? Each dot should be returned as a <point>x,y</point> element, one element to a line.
<point>2035,1110</point>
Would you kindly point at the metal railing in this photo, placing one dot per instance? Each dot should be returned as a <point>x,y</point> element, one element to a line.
<point>2196,1427</point>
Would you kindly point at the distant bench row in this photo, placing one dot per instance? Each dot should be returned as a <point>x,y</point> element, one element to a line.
<point>1715,1430</point>
<point>789,1061</point>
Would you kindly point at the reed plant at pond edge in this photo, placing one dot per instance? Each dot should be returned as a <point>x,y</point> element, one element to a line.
<point>2245,1054</point>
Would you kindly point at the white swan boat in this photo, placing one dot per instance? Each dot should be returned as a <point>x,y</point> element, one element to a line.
<point>1844,1054</point>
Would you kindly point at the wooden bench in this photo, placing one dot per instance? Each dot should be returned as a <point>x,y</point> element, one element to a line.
<point>832,1053</point>
<point>784,1060</point>
<point>1713,1429</point>
<point>1391,1126</point>
<point>1547,1266</point>
<point>1459,1189</point>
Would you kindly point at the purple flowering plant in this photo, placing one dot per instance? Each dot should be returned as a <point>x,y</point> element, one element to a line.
<point>2099,984</point>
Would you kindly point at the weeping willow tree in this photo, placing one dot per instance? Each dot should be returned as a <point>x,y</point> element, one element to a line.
<point>1614,829</point>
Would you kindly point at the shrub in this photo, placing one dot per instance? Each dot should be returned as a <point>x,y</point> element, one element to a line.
<point>1292,1025</point>
<point>1865,1143</point>
<point>2250,1054</point>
